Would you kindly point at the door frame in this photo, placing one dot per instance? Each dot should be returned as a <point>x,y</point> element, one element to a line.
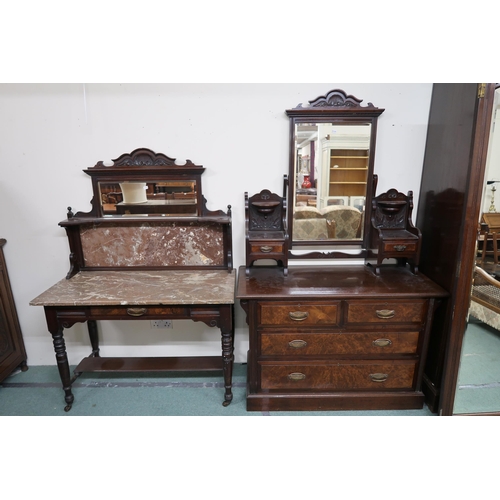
<point>465,267</point>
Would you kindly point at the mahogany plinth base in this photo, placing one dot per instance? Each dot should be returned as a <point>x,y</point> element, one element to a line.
<point>152,364</point>
<point>334,401</point>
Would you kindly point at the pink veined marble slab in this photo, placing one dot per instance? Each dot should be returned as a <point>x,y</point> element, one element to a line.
<point>103,288</point>
<point>153,244</point>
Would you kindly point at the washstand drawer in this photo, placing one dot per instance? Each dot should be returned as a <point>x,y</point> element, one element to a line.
<point>303,344</point>
<point>395,311</point>
<point>346,376</point>
<point>130,312</point>
<point>299,314</point>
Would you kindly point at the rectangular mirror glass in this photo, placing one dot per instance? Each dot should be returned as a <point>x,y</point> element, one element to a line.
<point>166,197</point>
<point>330,181</point>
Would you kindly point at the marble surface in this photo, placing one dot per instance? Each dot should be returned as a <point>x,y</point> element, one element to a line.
<point>153,244</point>
<point>103,288</point>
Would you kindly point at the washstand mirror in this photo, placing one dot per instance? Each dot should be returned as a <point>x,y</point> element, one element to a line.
<point>144,183</point>
<point>332,151</point>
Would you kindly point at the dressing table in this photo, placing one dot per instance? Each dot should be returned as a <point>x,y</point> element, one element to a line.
<point>167,258</point>
<point>327,336</point>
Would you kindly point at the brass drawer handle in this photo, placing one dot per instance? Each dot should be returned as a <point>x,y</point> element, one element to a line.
<point>266,249</point>
<point>136,311</point>
<point>298,315</point>
<point>296,376</point>
<point>400,248</point>
<point>386,313</point>
<point>379,377</point>
<point>297,344</point>
<point>382,342</point>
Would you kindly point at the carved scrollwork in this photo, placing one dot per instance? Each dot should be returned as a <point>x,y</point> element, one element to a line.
<point>142,157</point>
<point>337,98</point>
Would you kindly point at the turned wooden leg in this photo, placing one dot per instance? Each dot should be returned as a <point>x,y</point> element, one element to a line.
<point>227,331</point>
<point>94,337</point>
<point>63,366</point>
<point>228,360</point>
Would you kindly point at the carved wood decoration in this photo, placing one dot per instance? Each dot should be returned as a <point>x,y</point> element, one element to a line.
<point>266,231</point>
<point>393,233</point>
<point>339,99</point>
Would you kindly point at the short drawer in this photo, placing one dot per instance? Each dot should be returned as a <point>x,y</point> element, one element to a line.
<point>303,344</point>
<point>386,312</point>
<point>265,248</point>
<point>299,314</point>
<point>339,376</point>
<point>400,248</point>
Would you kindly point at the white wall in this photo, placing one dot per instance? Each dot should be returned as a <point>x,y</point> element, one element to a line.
<point>49,133</point>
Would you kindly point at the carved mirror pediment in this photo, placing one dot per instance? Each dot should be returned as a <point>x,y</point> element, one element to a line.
<point>332,150</point>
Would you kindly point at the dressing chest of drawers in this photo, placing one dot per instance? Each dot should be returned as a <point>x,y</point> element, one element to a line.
<point>336,337</point>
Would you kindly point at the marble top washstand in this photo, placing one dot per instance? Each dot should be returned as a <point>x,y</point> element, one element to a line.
<point>121,288</point>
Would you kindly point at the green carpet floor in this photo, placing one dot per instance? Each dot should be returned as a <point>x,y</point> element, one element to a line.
<point>478,388</point>
<point>38,392</point>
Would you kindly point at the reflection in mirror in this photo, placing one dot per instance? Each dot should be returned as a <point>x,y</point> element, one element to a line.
<point>167,197</point>
<point>331,176</point>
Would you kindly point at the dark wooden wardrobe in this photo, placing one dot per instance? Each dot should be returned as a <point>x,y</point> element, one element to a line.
<point>448,214</point>
<point>12,350</point>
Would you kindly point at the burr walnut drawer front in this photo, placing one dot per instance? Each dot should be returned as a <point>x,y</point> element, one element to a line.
<point>300,344</point>
<point>399,247</point>
<point>299,314</point>
<point>266,248</point>
<point>347,376</point>
<point>386,312</point>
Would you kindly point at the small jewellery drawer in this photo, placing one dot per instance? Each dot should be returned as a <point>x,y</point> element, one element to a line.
<point>267,247</point>
<point>300,344</point>
<point>339,376</point>
<point>400,247</point>
<point>130,312</point>
<point>394,311</point>
<point>299,314</point>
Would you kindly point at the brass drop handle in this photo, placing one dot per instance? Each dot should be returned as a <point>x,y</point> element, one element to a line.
<point>296,376</point>
<point>385,313</point>
<point>136,311</point>
<point>400,248</point>
<point>298,315</point>
<point>266,249</point>
<point>379,377</point>
<point>297,344</point>
<point>382,342</point>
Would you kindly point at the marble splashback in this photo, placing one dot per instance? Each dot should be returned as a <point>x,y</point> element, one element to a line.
<point>153,244</point>
<point>111,288</point>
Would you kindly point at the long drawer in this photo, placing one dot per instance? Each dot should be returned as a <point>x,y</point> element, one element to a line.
<point>302,344</point>
<point>144,312</point>
<point>298,314</point>
<point>346,376</point>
